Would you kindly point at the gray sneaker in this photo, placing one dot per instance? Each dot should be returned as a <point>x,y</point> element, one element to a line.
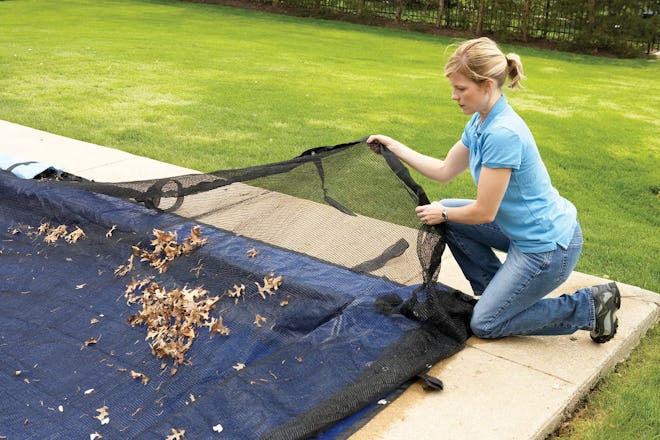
<point>607,301</point>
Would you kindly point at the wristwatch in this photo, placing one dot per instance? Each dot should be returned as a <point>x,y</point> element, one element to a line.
<point>444,215</point>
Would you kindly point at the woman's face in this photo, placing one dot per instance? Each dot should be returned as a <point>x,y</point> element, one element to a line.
<point>470,96</point>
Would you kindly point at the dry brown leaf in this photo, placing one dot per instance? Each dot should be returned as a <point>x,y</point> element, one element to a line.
<point>90,341</point>
<point>263,290</point>
<point>253,253</point>
<point>52,234</point>
<point>274,282</point>
<point>74,236</point>
<point>215,325</point>
<point>50,239</point>
<point>194,241</point>
<point>134,285</point>
<point>59,231</point>
<point>197,270</point>
<point>143,377</point>
<point>260,320</point>
<point>177,434</point>
<point>109,233</point>
<point>271,282</point>
<point>239,366</point>
<point>103,416</point>
<point>188,332</point>
<point>125,268</point>
<point>163,237</point>
<point>237,291</point>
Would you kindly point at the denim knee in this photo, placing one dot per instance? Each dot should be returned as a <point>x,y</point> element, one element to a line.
<point>483,329</point>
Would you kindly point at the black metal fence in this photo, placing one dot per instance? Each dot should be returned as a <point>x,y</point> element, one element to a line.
<point>621,27</point>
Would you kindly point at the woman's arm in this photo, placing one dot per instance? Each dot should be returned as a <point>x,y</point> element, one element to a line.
<point>440,170</point>
<point>490,191</point>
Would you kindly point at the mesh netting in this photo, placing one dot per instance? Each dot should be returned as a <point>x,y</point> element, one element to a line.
<point>266,302</point>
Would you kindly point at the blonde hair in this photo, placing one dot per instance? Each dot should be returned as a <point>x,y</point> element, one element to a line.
<point>481,59</point>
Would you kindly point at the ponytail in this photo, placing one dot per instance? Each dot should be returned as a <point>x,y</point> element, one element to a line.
<point>514,71</point>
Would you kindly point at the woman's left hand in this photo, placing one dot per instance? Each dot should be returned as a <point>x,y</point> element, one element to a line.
<point>430,214</point>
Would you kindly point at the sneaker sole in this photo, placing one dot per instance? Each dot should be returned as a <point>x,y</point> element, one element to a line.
<point>610,330</point>
<point>605,338</point>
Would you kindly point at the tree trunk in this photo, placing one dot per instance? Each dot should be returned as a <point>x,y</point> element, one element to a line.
<point>524,25</point>
<point>360,8</point>
<point>480,18</point>
<point>441,11</point>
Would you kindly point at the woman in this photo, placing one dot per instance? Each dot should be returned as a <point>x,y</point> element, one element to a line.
<point>516,210</point>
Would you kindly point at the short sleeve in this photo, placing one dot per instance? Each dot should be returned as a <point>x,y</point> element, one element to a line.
<point>465,138</point>
<point>502,148</point>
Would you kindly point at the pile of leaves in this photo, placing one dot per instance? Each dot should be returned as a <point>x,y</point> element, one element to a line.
<point>175,317</point>
<point>50,233</point>
<point>166,248</point>
<point>172,317</point>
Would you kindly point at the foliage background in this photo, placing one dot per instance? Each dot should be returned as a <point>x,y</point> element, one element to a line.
<point>626,28</point>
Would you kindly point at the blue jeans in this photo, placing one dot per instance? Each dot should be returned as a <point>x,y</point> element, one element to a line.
<point>512,293</point>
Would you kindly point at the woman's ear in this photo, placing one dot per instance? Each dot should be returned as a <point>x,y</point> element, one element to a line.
<point>488,85</point>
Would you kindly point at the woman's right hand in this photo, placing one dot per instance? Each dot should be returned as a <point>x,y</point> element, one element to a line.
<point>377,141</point>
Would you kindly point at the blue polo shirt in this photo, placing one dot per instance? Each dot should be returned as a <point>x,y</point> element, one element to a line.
<point>532,213</point>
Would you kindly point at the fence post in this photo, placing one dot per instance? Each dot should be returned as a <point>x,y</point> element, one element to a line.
<point>360,8</point>
<point>399,6</point>
<point>546,21</point>
<point>441,11</point>
<point>276,3</point>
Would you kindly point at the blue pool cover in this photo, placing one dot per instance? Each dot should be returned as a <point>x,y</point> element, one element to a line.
<point>323,354</point>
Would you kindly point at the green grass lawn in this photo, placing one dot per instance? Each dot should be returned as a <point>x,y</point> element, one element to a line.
<point>209,87</point>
